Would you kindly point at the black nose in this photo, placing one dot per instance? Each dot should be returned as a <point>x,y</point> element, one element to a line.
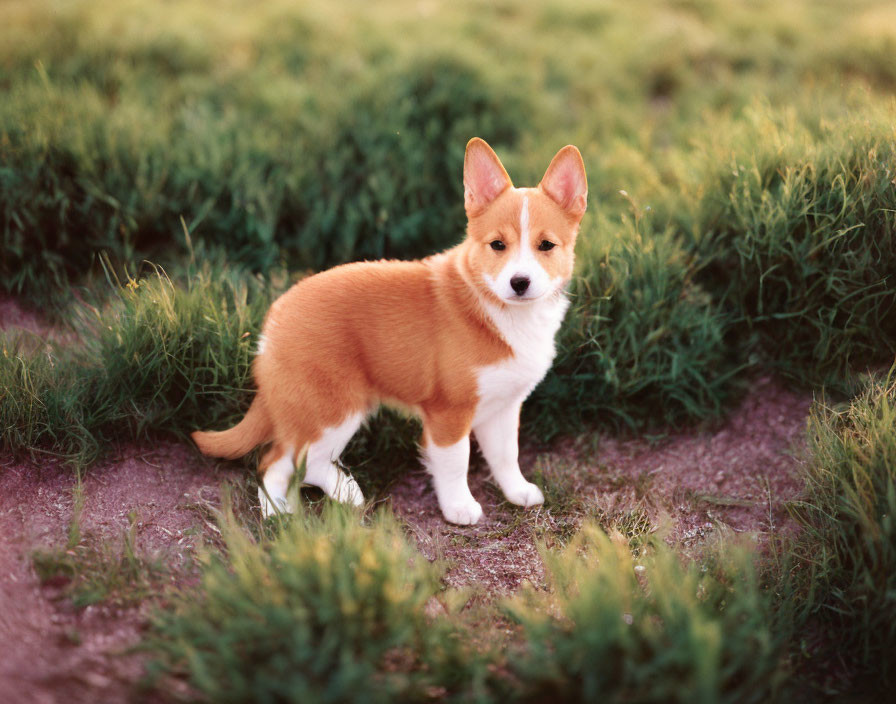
<point>519,284</point>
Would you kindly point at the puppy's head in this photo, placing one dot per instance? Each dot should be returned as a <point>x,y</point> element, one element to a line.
<point>520,241</point>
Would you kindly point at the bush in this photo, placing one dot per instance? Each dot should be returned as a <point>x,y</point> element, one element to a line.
<point>847,549</point>
<point>642,344</point>
<point>155,357</point>
<point>616,628</point>
<point>382,174</point>
<point>798,235</point>
<point>327,611</point>
<point>375,172</point>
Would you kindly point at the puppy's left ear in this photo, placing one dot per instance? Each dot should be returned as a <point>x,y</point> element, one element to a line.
<point>565,182</point>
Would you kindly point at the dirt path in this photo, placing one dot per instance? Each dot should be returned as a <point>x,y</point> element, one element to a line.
<point>14,316</point>
<point>689,485</point>
<point>52,651</point>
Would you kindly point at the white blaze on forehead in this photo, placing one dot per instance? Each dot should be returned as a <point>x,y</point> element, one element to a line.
<point>524,223</point>
<point>524,257</point>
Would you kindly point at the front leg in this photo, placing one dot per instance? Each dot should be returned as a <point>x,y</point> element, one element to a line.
<point>446,454</point>
<point>497,436</point>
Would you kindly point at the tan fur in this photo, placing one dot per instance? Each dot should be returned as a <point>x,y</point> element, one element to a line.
<point>253,430</point>
<point>414,333</point>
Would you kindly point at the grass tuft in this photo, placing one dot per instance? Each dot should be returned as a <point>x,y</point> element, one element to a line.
<point>325,609</point>
<point>846,552</point>
<point>642,344</point>
<point>619,628</point>
<point>796,233</point>
<point>155,357</point>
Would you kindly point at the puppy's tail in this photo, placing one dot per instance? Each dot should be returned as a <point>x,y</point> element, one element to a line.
<point>254,429</point>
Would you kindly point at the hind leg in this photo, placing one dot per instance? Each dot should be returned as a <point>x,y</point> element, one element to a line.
<point>278,466</point>
<point>320,462</point>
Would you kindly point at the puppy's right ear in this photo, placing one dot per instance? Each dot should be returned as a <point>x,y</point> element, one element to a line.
<point>484,177</point>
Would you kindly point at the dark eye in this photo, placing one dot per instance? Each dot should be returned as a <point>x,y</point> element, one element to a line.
<point>545,246</point>
<point>497,245</point>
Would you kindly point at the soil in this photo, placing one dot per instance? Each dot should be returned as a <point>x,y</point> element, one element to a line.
<point>51,650</point>
<point>13,315</point>
<point>690,485</point>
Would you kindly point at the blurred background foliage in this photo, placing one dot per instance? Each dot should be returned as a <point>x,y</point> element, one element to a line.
<point>740,160</point>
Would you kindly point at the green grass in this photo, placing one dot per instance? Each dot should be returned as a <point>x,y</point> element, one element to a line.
<point>667,320</point>
<point>328,608</point>
<point>155,356</point>
<point>317,134</point>
<point>38,406</point>
<point>725,234</point>
<point>845,568</point>
<point>384,450</point>
<point>620,628</point>
<point>643,343</point>
<point>796,238</point>
<point>321,609</point>
<point>317,179</point>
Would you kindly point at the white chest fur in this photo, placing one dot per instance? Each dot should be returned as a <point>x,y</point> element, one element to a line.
<point>529,331</point>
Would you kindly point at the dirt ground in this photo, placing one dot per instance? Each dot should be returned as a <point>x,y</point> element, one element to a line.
<point>689,485</point>
<point>51,650</point>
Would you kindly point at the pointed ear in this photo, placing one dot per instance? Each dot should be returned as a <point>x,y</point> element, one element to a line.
<point>565,181</point>
<point>484,176</point>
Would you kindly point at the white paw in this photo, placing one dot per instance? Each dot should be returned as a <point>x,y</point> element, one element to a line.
<point>463,514</point>
<point>525,494</point>
<point>347,491</point>
<point>273,505</point>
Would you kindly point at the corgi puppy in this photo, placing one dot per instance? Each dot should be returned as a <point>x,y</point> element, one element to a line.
<point>461,338</point>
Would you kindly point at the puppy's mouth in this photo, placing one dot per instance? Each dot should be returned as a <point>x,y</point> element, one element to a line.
<point>516,299</point>
<point>557,287</point>
<point>520,299</point>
